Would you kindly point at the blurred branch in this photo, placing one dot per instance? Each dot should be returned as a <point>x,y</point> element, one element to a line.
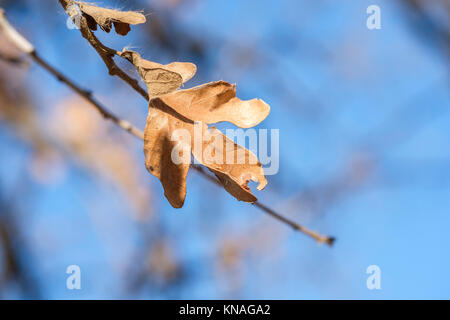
<point>12,60</point>
<point>431,30</point>
<point>28,48</point>
<point>14,254</point>
<point>16,38</point>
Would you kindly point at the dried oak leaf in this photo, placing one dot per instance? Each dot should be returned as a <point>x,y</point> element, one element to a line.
<point>158,146</point>
<point>236,174</point>
<point>210,103</point>
<point>160,79</point>
<point>105,18</point>
<point>216,102</point>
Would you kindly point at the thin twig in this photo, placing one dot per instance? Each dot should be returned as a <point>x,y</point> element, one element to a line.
<point>107,54</point>
<point>16,38</point>
<point>88,96</point>
<point>319,238</point>
<point>20,42</point>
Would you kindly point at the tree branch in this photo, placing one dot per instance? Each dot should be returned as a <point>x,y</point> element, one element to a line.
<point>27,48</point>
<point>13,60</point>
<point>21,43</point>
<point>316,236</point>
<point>107,54</point>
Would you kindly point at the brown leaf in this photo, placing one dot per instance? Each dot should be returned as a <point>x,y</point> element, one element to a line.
<point>92,24</point>
<point>161,123</point>
<point>215,102</point>
<point>106,17</point>
<point>190,110</point>
<point>122,28</point>
<point>233,164</point>
<point>161,79</point>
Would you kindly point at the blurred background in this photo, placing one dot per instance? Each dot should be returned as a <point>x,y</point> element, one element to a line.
<point>364,155</point>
